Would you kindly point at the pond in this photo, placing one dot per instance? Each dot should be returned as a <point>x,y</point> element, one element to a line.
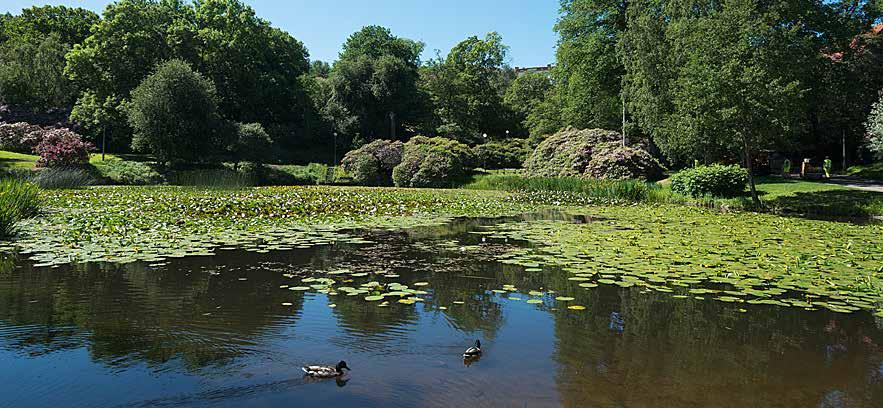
<point>401,306</point>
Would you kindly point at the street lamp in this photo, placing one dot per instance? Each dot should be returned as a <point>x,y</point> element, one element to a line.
<point>507,134</point>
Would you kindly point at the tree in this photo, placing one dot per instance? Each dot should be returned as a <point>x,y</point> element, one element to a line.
<point>320,69</point>
<point>174,114</point>
<point>250,143</point>
<point>32,72</point>
<point>256,68</point>
<point>730,83</point>
<point>526,94</point>
<point>467,89</point>
<point>33,46</point>
<point>874,126</point>
<point>374,86</point>
<point>589,71</point>
<point>71,24</point>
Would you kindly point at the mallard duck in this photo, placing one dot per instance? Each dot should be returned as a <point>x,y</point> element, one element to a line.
<point>474,351</point>
<point>320,371</point>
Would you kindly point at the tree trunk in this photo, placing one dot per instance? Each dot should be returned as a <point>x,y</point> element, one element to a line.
<point>750,167</point>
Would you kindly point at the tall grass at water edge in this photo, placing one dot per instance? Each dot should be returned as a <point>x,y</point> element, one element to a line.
<point>19,199</point>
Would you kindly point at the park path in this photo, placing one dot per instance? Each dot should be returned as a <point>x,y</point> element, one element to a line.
<point>865,185</point>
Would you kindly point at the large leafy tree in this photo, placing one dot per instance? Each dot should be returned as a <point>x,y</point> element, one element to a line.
<point>374,91</point>
<point>729,82</point>
<point>467,89</point>
<point>32,72</point>
<point>174,114</point>
<point>33,46</point>
<point>255,67</point>
<point>526,94</point>
<point>71,24</point>
<point>589,71</point>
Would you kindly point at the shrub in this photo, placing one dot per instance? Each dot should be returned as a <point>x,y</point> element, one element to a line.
<point>129,173</point>
<point>612,161</point>
<point>508,154</point>
<point>590,153</point>
<point>173,113</point>
<point>251,143</point>
<point>432,162</point>
<point>18,200</point>
<point>715,180</point>
<point>20,137</point>
<point>373,163</point>
<point>875,130</point>
<point>62,148</point>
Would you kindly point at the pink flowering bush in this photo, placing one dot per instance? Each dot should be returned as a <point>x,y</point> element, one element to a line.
<point>62,147</point>
<point>20,137</point>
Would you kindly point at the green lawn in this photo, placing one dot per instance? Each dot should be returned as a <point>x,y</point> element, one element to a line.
<point>869,172</point>
<point>16,161</point>
<point>815,198</point>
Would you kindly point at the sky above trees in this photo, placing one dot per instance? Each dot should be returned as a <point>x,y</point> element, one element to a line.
<point>526,25</point>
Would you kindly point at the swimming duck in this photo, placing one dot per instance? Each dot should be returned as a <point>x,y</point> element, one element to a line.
<point>320,371</point>
<point>474,351</point>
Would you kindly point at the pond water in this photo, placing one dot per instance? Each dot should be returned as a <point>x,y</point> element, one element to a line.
<point>226,330</point>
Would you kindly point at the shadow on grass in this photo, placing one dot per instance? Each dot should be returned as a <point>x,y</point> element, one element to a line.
<point>829,203</point>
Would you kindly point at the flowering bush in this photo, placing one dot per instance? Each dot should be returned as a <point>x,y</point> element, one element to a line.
<point>62,147</point>
<point>433,162</point>
<point>372,163</point>
<point>613,161</point>
<point>20,137</point>
<point>591,153</point>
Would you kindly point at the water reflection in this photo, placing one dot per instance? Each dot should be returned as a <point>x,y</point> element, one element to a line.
<point>220,331</point>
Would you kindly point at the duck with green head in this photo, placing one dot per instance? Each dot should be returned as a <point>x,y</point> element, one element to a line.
<point>320,371</point>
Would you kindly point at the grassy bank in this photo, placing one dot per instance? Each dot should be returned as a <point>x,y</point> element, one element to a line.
<point>783,196</point>
<point>868,172</point>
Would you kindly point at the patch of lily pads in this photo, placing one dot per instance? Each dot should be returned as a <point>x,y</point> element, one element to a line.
<point>151,224</point>
<point>734,258</point>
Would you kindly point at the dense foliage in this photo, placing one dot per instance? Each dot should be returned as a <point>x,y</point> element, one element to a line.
<point>373,87</point>
<point>875,130</point>
<point>174,114</point>
<point>504,154</point>
<point>373,163</point>
<point>715,180</point>
<point>32,72</point>
<point>701,79</point>
<point>250,143</point>
<point>433,162</point>
<point>591,153</point>
<point>62,148</point>
<point>255,66</point>
<point>467,89</point>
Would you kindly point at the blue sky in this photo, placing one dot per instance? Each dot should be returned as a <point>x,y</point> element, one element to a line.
<point>526,25</point>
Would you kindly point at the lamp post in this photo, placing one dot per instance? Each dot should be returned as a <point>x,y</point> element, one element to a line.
<point>507,134</point>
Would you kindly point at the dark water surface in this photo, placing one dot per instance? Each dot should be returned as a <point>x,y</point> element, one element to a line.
<point>213,331</point>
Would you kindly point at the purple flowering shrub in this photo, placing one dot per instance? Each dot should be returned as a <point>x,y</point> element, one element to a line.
<point>20,137</point>
<point>62,147</point>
